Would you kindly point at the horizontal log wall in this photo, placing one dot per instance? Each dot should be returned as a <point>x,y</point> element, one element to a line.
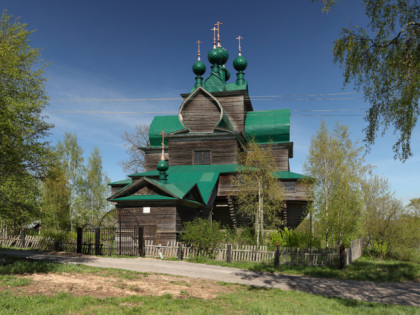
<point>222,151</point>
<point>201,114</point>
<point>152,160</point>
<point>234,107</point>
<point>281,157</point>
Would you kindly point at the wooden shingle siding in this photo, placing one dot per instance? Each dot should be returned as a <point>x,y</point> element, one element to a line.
<point>234,107</point>
<point>222,151</point>
<point>201,114</point>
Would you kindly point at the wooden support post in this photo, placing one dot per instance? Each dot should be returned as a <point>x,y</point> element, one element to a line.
<point>277,256</point>
<point>229,254</point>
<point>180,251</point>
<point>98,241</point>
<point>342,257</point>
<point>22,238</point>
<point>142,246</point>
<point>79,240</point>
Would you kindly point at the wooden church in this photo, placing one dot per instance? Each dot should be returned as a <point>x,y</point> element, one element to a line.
<point>192,157</point>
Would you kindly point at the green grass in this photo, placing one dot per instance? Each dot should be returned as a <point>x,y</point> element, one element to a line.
<point>246,300</point>
<point>241,299</point>
<point>365,269</point>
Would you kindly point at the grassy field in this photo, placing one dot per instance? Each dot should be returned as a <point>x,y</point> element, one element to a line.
<point>365,269</point>
<point>233,299</point>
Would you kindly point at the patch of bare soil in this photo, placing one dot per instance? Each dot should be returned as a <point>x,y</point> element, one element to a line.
<point>97,286</point>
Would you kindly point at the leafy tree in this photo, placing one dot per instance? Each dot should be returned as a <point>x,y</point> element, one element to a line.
<point>56,200</point>
<point>95,191</point>
<point>24,155</point>
<point>414,206</point>
<point>384,62</point>
<point>203,235</point>
<point>260,195</point>
<point>336,167</point>
<point>71,157</point>
<point>132,141</point>
<point>393,232</point>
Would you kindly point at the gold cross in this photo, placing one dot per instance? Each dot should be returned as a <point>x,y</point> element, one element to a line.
<point>239,39</point>
<point>198,42</point>
<point>214,29</point>
<point>163,144</point>
<point>218,33</point>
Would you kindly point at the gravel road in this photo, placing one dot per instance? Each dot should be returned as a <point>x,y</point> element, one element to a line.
<point>404,293</point>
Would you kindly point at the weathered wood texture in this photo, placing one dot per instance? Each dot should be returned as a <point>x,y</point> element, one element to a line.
<point>164,218</point>
<point>152,160</point>
<point>226,187</point>
<point>223,151</point>
<point>281,156</point>
<point>183,215</point>
<point>115,188</point>
<point>145,191</point>
<point>234,107</point>
<point>201,114</point>
<point>300,193</point>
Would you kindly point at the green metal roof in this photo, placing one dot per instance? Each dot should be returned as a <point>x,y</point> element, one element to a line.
<point>289,175</point>
<point>182,178</point>
<point>268,126</point>
<point>168,123</point>
<point>143,197</point>
<point>122,182</point>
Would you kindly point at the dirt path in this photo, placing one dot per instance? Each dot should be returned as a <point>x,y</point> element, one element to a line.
<point>404,293</point>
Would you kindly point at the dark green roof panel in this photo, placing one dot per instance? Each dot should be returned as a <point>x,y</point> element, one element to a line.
<point>168,123</point>
<point>268,126</point>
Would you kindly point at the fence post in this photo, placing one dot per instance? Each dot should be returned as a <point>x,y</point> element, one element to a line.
<point>229,253</point>
<point>22,237</point>
<point>342,256</point>
<point>142,246</point>
<point>277,256</point>
<point>180,251</point>
<point>79,240</point>
<point>98,241</point>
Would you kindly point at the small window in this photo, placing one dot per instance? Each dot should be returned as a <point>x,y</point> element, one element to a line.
<point>146,209</point>
<point>202,157</point>
<point>289,186</point>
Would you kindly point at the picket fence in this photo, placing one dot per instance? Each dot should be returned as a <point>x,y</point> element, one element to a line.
<point>251,253</point>
<point>248,253</point>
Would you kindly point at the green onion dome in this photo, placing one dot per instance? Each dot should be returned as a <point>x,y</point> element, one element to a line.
<point>240,63</point>
<point>224,55</point>
<point>162,166</point>
<point>199,68</point>
<point>215,57</point>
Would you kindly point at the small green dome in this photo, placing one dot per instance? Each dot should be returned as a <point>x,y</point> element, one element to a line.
<point>215,57</point>
<point>199,68</point>
<point>240,63</point>
<point>224,55</point>
<point>162,166</point>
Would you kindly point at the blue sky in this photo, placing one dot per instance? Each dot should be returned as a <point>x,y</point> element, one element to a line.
<point>111,60</point>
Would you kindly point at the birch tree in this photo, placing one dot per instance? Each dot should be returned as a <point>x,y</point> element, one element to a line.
<point>337,170</point>
<point>260,196</point>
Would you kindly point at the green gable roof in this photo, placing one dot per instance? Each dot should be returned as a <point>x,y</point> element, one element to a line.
<point>289,175</point>
<point>268,126</point>
<point>143,197</point>
<point>168,123</point>
<point>122,182</point>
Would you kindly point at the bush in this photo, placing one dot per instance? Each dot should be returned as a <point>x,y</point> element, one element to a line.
<point>203,236</point>
<point>292,238</point>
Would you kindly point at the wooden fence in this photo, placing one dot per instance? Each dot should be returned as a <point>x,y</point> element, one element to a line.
<point>250,253</point>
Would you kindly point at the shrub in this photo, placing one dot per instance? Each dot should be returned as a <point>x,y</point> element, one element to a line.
<point>292,238</point>
<point>203,235</point>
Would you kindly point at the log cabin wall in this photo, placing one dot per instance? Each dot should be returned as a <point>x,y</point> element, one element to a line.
<point>223,151</point>
<point>234,107</point>
<point>162,219</point>
<point>294,190</point>
<point>281,156</point>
